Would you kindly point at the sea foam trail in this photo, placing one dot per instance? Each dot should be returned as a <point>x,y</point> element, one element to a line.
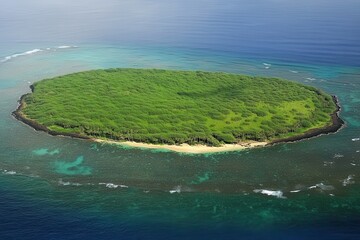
<point>177,189</point>
<point>33,51</point>
<point>8,58</point>
<point>278,193</point>
<point>267,65</point>
<point>61,182</point>
<point>349,180</point>
<point>112,185</point>
<point>322,187</point>
<point>65,46</point>
<point>8,172</point>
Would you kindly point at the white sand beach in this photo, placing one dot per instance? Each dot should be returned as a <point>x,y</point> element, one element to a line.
<point>186,148</point>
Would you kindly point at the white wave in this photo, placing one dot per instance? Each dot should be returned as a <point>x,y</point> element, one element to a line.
<point>61,182</point>
<point>177,189</point>
<point>338,155</point>
<point>9,172</point>
<point>8,58</point>
<point>325,187</point>
<point>267,65</point>
<point>64,47</point>
<point>278,193</point>
<point>295,191</point>
<point>112,185</point>
<point>322,186</point>
<point>294,71</point>
<point>311,79</point>
<point>355,139</point>
<point>348,180</point>
<point>353,164</point>
<point>33,51</point>
<point>358,151</point>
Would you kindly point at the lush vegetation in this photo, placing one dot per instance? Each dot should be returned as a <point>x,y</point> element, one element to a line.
<point>163,106</point>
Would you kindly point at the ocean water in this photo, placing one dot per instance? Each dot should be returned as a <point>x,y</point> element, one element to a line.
<point>63,188</point>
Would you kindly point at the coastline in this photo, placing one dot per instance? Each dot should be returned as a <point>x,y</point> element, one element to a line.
<point>20,116</point>
<point>337,124</point>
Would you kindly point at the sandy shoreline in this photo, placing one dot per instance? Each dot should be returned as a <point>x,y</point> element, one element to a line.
<point>186,148</point>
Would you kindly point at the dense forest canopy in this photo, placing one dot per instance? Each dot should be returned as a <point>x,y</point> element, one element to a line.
<point>174,107</point>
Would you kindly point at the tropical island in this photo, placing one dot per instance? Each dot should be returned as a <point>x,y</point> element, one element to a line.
<point>190,111</point>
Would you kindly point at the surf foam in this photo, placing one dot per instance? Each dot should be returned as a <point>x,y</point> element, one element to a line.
<point>8,58</point>
<point>349,180</point>
<point>65,46</point>
<point>7,172</point>
<point>112,185</point>
<point>61,182</point>
<point>278,193</point>
<point>267,65</point>
<point>322,186</point>
<point>33,51</point>
<point>177,189</point>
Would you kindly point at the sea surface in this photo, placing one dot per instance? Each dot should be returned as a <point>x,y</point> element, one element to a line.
<point>63,188</point>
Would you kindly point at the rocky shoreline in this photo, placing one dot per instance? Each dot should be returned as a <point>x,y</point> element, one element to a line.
<point>337,124</point>
<point>20,116</point>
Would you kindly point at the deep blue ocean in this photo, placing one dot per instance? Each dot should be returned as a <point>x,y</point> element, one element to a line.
<point>63,188</point>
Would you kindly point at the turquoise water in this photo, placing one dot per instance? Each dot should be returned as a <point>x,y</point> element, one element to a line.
<point>63,188</point>
<point>267,188</point>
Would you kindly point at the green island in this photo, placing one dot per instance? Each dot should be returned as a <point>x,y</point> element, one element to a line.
<point>175,107</point>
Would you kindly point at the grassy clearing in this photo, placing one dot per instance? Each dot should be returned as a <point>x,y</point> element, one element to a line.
<point>173,107</point>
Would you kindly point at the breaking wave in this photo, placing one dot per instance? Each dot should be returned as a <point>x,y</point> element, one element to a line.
<point>61,182</point>
<point>8,58</point>
<point>63,47</point>
<point>267,65</point>
<point>112,185</point>
<point>322,186</point>
<point>278,193</point>
<point>177,189</point>
<point>33,51</point>
<point>8,172</point>
<point>349,180</point>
